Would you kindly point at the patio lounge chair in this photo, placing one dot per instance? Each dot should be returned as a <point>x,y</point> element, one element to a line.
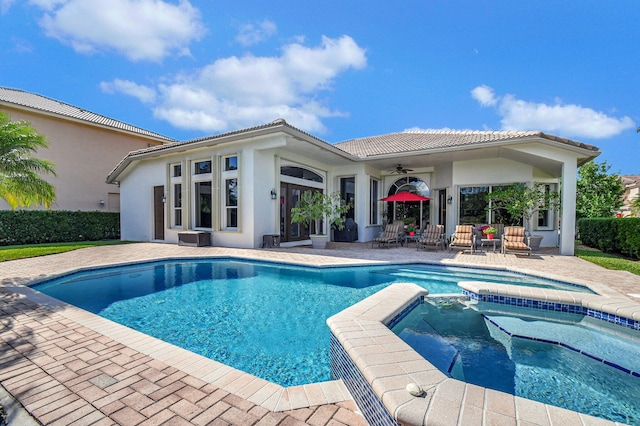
<point>433,235</point>
<point>391,236</point>
<point>514,240</point>
<point>463,238</point>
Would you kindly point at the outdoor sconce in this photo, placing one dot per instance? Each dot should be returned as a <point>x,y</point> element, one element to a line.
<point>164,199</point>
<point>450,199</point>
<point>101,203</point>
<point>273,194</point>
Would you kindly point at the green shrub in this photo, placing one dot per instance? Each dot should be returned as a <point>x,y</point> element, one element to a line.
<point>43,226</point>
<point>629,235</point>
<point>611,235</point>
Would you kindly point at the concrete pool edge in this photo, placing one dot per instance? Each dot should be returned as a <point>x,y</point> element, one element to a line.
<point>388,365</point>
<point>263,393</point>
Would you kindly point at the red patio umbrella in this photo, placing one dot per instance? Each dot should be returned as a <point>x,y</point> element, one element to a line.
<point>405,196</point>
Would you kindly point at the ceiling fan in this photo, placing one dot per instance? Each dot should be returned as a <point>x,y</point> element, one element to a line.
<point>400,170</point>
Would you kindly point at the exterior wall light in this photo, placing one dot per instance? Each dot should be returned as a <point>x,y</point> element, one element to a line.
<point>450,199</point>
<point>274,195</point>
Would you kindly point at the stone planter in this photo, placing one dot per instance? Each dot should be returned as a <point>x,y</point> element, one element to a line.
<point>319,241</point>
<point>534,242</point>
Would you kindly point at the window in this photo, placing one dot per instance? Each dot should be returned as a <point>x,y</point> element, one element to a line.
<point>230,192</point>
<point>203,204</point>
<point>202,194</point>
<point>300,173</point>
<point>177,204</point>
<point>373,201</point>
<point>545,217</point>
<point>472,205</point>
<point>348,194</point>
<point>175,195</point>
<point>230,163</point>
<point>202,167</point>
<point>231,202</point>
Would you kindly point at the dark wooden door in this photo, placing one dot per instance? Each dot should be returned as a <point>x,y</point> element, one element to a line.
<point>158,212</point>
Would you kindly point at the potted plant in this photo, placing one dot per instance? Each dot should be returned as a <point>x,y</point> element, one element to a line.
<point>411,229</point>
<point>315,207</point>
<point>523,201</point>
<point>490,231</point>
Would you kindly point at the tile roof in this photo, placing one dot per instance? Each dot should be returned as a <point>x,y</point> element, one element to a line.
<point>276,123</point>
<point>279,123</point>
<point>42,103</point>
<point>434,140</point>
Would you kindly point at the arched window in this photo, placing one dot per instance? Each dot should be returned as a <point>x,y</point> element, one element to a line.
<point>414,211</point>
<point>300,173</point>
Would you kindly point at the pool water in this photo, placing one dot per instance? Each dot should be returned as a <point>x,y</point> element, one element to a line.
<point>266,319</point>
<point>575,362</point>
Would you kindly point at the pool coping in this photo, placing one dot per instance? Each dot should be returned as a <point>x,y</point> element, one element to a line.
<point>389,365</point>
<point>258,391</point>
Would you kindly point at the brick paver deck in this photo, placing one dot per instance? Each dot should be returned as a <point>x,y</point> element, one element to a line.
<point>64,372</point>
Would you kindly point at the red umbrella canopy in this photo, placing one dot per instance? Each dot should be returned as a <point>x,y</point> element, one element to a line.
<point>405,196</point>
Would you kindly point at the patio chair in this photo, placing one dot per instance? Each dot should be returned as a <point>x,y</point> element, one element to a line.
<point>392,235</point>
<point>514,240</point>
<point>433,235</point>
<point>463,238</point>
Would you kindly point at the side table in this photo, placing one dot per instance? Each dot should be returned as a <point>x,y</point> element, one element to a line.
<point>495,241</point>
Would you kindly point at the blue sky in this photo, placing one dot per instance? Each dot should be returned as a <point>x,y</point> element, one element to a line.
<point>339,70</point>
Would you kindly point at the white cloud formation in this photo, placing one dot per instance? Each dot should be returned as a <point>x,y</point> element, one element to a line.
<point>137,29</point>
<point>565,120</point>
<point>485,95</point>
<point>237,92</point>
<point>144,94</point>
<point>251,34</point>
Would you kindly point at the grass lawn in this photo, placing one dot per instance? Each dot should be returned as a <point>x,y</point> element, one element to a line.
<point>33,250</point>
<point>609,261</point>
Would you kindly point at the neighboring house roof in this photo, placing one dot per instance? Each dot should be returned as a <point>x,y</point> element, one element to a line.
<point>435,140</point>
<point>51,106</point>
<point>630,180</point>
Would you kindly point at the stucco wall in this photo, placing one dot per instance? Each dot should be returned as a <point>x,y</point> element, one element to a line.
<point>83,156</point>
<point>136,196</point>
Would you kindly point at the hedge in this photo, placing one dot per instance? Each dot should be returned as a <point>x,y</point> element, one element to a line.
<point>612,235</point>
<point>19,227</point>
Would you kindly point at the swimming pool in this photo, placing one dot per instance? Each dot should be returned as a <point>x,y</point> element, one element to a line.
<point>263,318</point>
<point>568,360</point>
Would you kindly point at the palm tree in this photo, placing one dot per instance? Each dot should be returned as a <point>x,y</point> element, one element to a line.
<point>20,182</point>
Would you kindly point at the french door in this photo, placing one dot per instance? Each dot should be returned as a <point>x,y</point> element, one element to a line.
<point>290,194</point>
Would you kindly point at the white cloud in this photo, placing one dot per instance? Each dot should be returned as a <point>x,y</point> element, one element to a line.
<point>251,34</point>
<point>144,94</point>
<point>237,92</point>
<point>485,95</point>
<point>565,120</point>
<point>137,29</point>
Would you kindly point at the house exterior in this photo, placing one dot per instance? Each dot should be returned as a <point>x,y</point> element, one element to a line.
<point>631,192</point>
<point>240,186</point>
<point>83,145</point>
